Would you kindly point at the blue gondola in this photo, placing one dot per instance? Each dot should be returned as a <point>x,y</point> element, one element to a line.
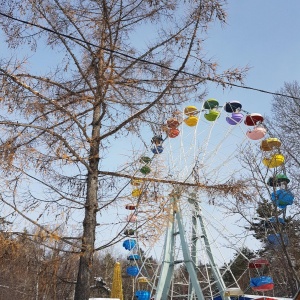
<point>157,149</point>
<point>282,198</point>
<point>129,244</point>
<point>142,295</point>
<point>275,240</point>
<point>274,220</point>
<point>262,283</point>
<point>132,270</point>
<point>133,257</point>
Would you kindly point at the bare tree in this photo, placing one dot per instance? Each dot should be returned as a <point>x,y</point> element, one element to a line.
<point>283,124</point>
<point>35,267</point>
<point>60,122</point>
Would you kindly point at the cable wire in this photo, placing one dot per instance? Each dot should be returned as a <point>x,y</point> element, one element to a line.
<point>148,61</point>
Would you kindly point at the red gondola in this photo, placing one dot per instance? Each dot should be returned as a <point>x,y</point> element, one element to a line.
<point>258,263</point>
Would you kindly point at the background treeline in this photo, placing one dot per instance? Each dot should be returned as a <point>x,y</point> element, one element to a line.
<point>33,267</point>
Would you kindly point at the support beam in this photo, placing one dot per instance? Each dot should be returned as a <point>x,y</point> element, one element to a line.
<point>167,268</point>
<point>215,270</point>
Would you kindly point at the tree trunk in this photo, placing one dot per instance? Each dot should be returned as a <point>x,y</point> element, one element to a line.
<point>82,290</point>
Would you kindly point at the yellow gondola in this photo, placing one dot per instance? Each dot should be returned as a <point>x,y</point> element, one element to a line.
<point>190,110</point>
<point>143,280</point>
<point>270,144</point>
<point>191,121</point>
<point>136,192</point>
<point>136,182</point>
<point>276,160</point>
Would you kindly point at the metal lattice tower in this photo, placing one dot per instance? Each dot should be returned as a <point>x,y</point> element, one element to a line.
<point>189,256</point>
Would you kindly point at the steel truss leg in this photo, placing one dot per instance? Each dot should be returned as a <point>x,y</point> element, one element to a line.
<point>215,270</point>
<point>167,268</point>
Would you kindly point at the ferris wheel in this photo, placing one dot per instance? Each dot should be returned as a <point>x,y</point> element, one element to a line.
<point>187,167</point>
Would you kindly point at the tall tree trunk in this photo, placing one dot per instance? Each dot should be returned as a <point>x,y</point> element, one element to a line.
<point>82,290</point>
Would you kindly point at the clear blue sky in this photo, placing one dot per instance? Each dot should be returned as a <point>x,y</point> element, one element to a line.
<point>263,34</point>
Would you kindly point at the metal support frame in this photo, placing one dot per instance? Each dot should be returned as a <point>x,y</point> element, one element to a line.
<point>190,256</point>
<point>194,251</point>
<point>167,268</point>
<point>215,270</point>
